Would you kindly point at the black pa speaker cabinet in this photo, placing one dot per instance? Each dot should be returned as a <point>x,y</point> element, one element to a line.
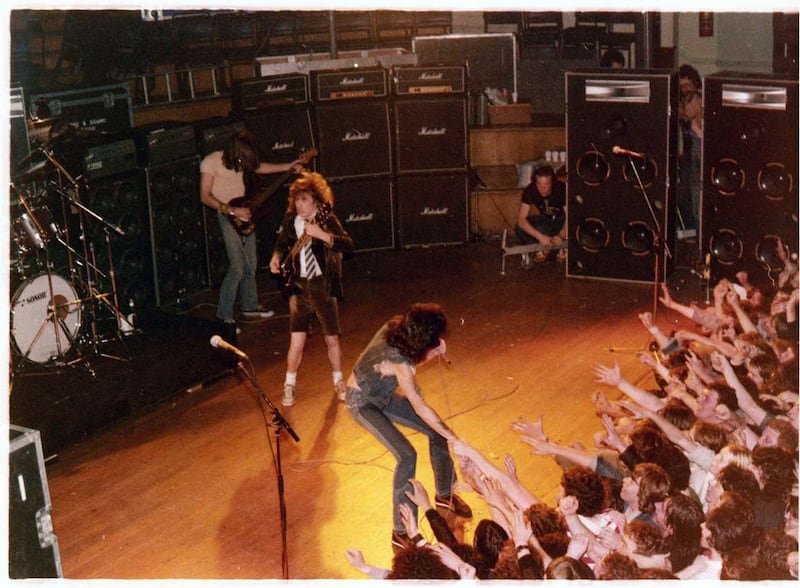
<point>618,204</point>
<point>354,138</point>
<point>365,207</point>
<point>491,59</point>
<point>283,133</point>
<point>177,231</point>
<point>122,200</point>
<point>431,134</point>
<point>215,248</point>
<point>432,209</point>
<point>750,155</point>
<point>32,544</point>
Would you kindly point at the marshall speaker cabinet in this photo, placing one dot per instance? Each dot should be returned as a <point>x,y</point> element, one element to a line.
<point>621,133</point>
<point>276,110</point>
<point>32,544</point>
<point>432,209</point>
<point>353,123</point>
<point>750,157</point>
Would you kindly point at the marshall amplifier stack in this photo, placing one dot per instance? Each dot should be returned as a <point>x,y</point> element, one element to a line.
<point>268,92</point>
<point>431,134</point>
<point>353,125</point>
<point>276,110</point>
<point>431,79</point>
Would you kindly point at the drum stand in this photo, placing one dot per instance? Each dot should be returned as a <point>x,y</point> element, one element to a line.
<point>57,308</point>
<point>92,273</point>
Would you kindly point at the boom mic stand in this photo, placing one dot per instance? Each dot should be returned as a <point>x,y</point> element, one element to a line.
<point>278,423</point>
<point>661,246</point>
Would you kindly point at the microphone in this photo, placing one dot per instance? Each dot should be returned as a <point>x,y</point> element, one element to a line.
<point>220,343</point>
<point>622,151</point>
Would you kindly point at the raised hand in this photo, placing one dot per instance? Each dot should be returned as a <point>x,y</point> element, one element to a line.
<point>608,375</point>
<point>531,429</point>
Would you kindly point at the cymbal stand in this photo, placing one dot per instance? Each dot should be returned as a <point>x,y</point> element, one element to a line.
<point>661,246</point>
<point>91,269</point>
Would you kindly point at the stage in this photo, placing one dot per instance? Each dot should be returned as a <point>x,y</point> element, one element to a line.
<point>187,487</point>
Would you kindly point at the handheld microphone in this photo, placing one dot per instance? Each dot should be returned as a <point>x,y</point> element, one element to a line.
<point>622,151</point>
<point>220,343</point>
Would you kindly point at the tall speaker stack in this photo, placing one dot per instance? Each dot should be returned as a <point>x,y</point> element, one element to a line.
<point>353,126</point>
<point>431,154</point>
<point>621,137</point>
<point>118,192</point>
<point>277,110</point>
<point>177,236</point>
<point>750,165</point>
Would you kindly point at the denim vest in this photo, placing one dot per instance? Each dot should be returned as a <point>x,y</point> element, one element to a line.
<point>376,387</point>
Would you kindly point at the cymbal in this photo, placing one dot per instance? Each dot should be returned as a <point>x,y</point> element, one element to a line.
<point>33,171</point>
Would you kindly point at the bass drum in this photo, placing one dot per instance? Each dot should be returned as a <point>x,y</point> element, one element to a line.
<point>44,323</point>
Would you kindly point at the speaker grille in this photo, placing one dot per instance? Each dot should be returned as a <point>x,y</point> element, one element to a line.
<point>618,206</point>
<point>431,134</point>
<point>750,167</point>
<point>354,139</point>
<point>432,209</point>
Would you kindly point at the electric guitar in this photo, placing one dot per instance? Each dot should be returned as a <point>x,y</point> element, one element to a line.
<point>289,265</point>
<point>255,202</point>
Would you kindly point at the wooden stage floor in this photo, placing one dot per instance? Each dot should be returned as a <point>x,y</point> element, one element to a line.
<point>189,490</point>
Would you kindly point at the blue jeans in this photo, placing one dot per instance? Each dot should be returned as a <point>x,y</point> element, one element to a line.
<point>241,274</point>
<point>380,424</point>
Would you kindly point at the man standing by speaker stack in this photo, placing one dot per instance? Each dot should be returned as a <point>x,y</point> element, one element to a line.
<point>308,255</point>
<point>222,180</point>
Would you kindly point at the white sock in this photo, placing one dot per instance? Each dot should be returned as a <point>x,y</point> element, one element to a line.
<point>337,376</point>
<point>291,378</point>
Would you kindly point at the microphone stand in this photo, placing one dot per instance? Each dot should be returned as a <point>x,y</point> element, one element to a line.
<point>661,243</point>
<point>278,423</point>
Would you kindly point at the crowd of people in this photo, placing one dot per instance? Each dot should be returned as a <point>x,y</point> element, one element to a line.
<point>695,478</point>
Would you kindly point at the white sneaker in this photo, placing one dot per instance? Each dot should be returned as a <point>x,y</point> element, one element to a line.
<point>288,395</point>
<point>258,313</point>
<point>341,389</point>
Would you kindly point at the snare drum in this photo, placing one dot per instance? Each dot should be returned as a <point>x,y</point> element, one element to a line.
<point>35,335</point>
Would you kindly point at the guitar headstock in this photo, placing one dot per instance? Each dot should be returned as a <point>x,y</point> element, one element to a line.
<point>307,155</point>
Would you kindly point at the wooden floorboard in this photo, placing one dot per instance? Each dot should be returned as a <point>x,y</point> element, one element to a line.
<point>189,490</point>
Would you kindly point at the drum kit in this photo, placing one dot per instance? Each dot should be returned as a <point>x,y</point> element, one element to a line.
<point>56,305</point>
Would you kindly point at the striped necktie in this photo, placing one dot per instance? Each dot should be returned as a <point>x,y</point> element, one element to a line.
<point>312,268</point>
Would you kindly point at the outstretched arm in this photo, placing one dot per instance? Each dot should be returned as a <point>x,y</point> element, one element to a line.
<point>517,493</point>
<point>613,377</point>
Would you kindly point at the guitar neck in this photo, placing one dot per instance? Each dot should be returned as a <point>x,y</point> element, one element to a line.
<point>263,195</point>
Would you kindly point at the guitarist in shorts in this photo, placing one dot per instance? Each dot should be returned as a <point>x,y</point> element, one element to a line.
<point>222,180</point>
<point>308,255</point>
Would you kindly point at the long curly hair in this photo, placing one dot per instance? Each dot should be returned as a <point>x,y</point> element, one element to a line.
<point>417,331</point>
<point>314,183</point>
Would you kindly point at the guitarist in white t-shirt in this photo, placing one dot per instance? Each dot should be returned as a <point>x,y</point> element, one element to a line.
<point>222,176</point>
